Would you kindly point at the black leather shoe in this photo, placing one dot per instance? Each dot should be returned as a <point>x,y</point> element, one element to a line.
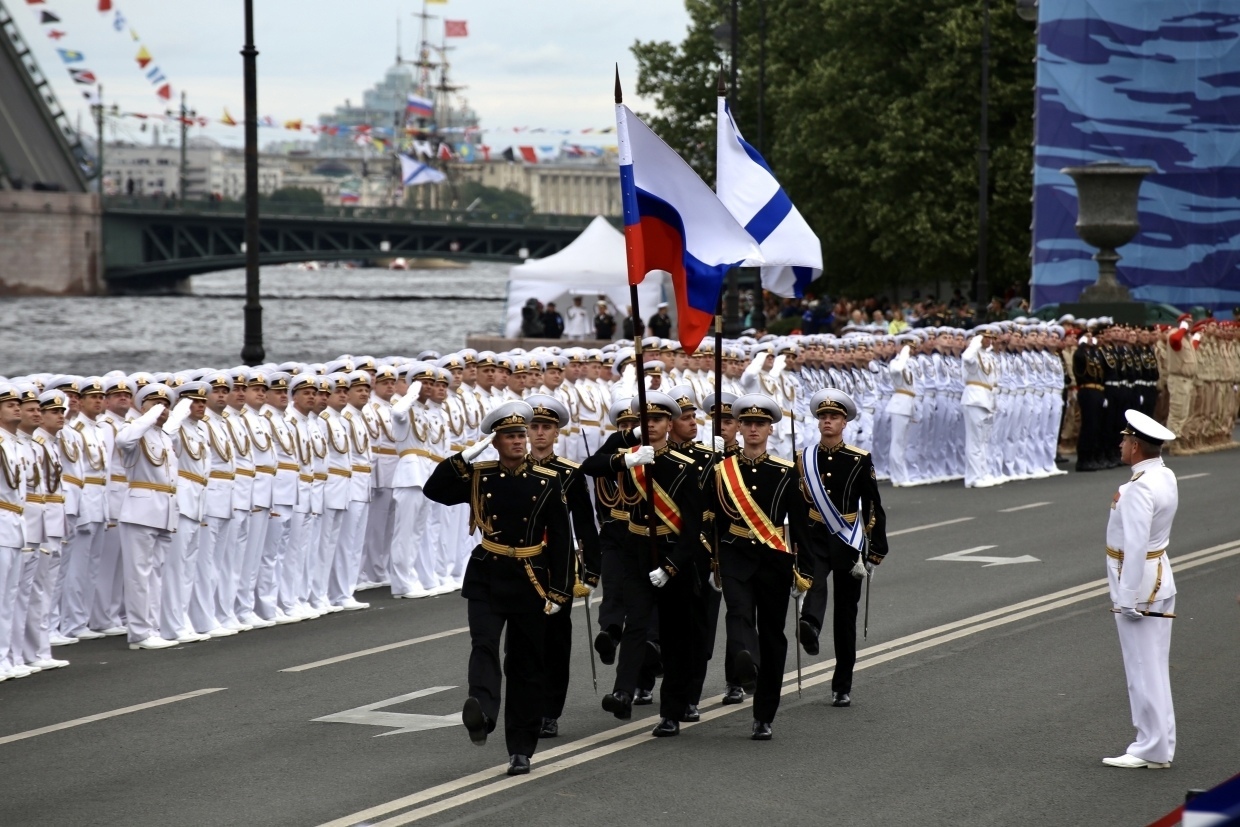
<point>605,645</point>
<point>809,638</point>
<point>518,765</point>
<point>1085,467</point>
<point>734,695</point>
<point>745,671</point>
<point>619,704</point>
<point>666,728</point>
<point>476,721</point>
<point>644,697</point>
<point>761,731</point>
<point>692,715</point>
<point>840,699</point>
<point>1061,459</point>
<point>550,728</point>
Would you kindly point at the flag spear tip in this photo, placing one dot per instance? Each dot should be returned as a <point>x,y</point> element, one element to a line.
<point>721,86</point>
<point>619,94</point>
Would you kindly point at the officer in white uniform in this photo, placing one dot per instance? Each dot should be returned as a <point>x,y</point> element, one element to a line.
<point>348,559</point>
<point>36,645</point>
<point>187,577</point>
<point>1143,589</point>
<point>12,525</point>
<point>901,409</point>
<point>980,373</point>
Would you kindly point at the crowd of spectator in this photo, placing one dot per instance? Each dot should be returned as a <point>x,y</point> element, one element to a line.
<point>820,314</point>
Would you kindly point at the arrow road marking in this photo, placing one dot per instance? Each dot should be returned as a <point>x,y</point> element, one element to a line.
<point>968,556</point>
<point>403,721</point>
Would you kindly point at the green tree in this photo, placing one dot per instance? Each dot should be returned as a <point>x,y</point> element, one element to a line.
<point>295,195</point>
<point>493,200</point>
<point>871,123</point>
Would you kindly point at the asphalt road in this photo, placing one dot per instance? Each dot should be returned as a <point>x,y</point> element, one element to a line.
<point>985,694</point>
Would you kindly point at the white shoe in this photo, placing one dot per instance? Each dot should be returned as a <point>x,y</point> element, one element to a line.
<point>21,671</point>
<point>442,588</point>
<point>49,663</point>
<point>330,609</point>
<point>415,593</point>
<point>237,625</point>
<point>350,604</point>
<point>153,642</point>
<point>190,636</point>
<point>90,634</point>
<point>255,622</point>
<point>61,640</point>
<point>115,631</point>
<point>220,631</point>
<point>1132,762</point>
<point>283,619</point>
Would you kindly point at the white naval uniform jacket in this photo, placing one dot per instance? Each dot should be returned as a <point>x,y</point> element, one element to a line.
<point>263,454</point>
<point>287,464</point>
<point>382,433</point>
<point>1140,525</point>
<point>12,493</point>
<point>33,513</point>
<point>189,441</point>
<point>297,426</point>
<point>411,425</point>
<point>903,385</point>
<point>316,429</point>
<point>239,445</point>
<point>66,444</point>
<point>150,463</point>
<point>93,505</point>
<point>109,425</point>
<point>217,499</point>
<point>361,461</point>
<point>336,488</point>
<point>54,523</point>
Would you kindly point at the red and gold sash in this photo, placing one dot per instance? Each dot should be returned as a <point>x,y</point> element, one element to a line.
<point>755,518</point>
<point>664,507</point>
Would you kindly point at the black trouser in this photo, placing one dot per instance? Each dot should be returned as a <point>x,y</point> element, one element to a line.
<point>613,536</point>
<point>711,601</point>
<point>834,555</point>
<point>523,666</point>
<point>757,612</point>
<point>558,652</point>
<point>1089,440</point>
<point>638,605</point>
<point>1113,422</point>
<point>681,618</point>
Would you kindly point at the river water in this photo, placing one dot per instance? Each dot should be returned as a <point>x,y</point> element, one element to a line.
<point>308,316</point>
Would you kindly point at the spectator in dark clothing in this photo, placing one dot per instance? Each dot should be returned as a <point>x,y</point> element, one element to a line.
<point>531,319</point>
<point>661,323</point>
<point>632,327</point>
<point>604,323</point>
<point>552,322</point>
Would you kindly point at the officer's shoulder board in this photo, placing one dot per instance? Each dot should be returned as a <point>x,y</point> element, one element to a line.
<point>567,462</point>
<point>1137,476</point>
<point>79,426</point>
<point>780,461</point>
<point>348,415</point>
<point>680,457</point>
<point>485,465</point>
<point>323,415</point>
<point>547,472</point>
<point>857,450</point>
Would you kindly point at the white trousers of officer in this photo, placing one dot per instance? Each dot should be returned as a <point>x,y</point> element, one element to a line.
<point>323,555</point>
<point>898,458</point>
<point>28,567</point>
<point>58,582</point>
<point>267,588</point>
<point>205,576</point>
<point>380,531</point>
<point>256,524</point>
<point>348,560</point>
<point>36,645</point>
<point>181,573</point>
<point>83,546</point>
<point>107,600</point>
<point>1146,645</point>
<point>407,539</point>
<point>977,424</point>
<point>224,554</point>
<point>291,571</point>
<point>10,572</point>
<point>143,552</point>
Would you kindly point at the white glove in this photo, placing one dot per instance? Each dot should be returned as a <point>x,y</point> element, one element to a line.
<point>415,389</point>
<point>976,340</point>
<point>858,570</point>
<point>778,367</point>
<point>551,608</point>
<point>637,432</point>
<point>1130,613</point>
<point>629,374</point>
<point>720,445</point>
<point>1104,403</point>
<point>659,578</point>
<point>642,456</point>
<point>869,567</point>
<point>477,448</point>
<point>177,415</point>
<point>713,580</point>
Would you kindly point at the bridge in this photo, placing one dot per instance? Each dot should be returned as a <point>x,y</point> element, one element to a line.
<point>155,243</point>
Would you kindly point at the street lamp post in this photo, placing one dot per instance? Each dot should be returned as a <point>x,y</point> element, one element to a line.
<point>252,352</point>
<point>981,290</point>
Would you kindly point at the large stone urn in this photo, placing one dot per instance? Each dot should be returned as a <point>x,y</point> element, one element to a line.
<point>1107,219</point>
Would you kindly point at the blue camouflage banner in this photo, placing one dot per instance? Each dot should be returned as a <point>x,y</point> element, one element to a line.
<point>1152,82</point>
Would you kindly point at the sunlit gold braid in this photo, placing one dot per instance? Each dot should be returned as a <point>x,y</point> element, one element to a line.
<point>157,462</point>
<point>189,447</point>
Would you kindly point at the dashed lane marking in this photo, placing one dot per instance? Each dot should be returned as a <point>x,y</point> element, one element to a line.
<point>1021,507</point>
<point>926,527</point>
<point>89,719</point>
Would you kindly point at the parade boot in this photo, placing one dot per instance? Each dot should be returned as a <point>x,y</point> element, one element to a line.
<point>476,721</point>
<point>619,704</point>
<point>761,731</point>
<point>666,728</point>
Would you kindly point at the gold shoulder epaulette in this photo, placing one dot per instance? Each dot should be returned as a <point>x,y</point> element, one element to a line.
<point>680,456</point>
<point>79,426</point>
<point>323,415</point>
<point>545,471</point>
<point>348,415</point>
<point>786,463</point>
<point>1137,476</point>
<point>857,450</point>
<point>570,463</point>
<point>486,464</point>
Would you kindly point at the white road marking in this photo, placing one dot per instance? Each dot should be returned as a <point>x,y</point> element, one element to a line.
<point>89,719</point>
<point>403,721</point>
<point>387,647</point>
<point>712,707</point>
<point>969,555</point>
<point>1021,507</point>
<point>925,527</point>
<point>1193,476</point>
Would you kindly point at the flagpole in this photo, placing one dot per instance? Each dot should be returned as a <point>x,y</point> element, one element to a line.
<point>636,264</point>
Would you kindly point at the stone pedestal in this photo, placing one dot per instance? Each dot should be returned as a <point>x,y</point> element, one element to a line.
<point>49,243</point>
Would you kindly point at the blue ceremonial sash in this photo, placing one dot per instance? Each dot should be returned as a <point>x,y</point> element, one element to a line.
<point>853,534</point>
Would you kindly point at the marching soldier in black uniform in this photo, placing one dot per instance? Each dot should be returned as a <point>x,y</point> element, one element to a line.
<point>848,532</point>
<point>1088,367</point>
<point>1115,396</point>
<point>550,415</point>
<point>758,561</point>
<point>662,571</point>
<point>520,573</point>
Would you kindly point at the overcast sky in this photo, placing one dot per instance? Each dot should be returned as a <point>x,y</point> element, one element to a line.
<point>547,63</point>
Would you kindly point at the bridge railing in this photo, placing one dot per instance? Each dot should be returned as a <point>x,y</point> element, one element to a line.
<point>285,209</point>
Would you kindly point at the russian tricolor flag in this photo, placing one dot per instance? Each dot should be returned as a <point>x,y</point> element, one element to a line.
<point>419,107</point>
<point>674,222</point>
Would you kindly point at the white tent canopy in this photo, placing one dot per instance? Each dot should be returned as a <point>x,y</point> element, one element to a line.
<point>593,266</point>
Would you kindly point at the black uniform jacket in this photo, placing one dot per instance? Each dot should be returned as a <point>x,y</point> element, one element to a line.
<point>582,511</point>
<point>848,475</point>
<point>514,509</point>
<point>775,485</point>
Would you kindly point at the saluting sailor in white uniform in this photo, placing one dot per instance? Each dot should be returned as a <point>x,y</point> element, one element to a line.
<point>1143,588</point>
